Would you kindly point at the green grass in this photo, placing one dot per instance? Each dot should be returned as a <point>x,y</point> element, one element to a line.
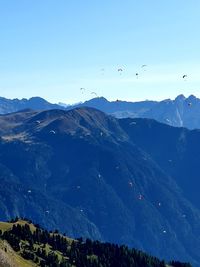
<point>69,240</point>
<point>5,226</point>
<point>15,257</point>
<point>22,222</point>
<point>11,256</point>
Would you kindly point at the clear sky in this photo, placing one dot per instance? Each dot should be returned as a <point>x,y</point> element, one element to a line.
<point>52,48</point>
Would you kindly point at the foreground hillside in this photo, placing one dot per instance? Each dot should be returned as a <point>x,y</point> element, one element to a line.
<point>83,172</point>
<point>23,244</point>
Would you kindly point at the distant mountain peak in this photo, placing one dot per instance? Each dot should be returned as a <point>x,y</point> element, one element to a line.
<point>180,98</point>
<point>100,100</point>
<point>192,98</point>
<point>37,99</point>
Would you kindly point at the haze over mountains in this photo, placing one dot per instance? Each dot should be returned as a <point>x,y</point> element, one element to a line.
<point>130,181</point>
<point>181,112</point>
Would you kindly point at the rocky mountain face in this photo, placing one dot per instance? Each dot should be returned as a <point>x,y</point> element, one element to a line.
<point>176,150</point>
<point>181,112</point>
<point>89,174</point>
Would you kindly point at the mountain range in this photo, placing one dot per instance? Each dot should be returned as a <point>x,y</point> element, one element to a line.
<point>35,103</point>
<point>128,181</point>
<point>181,112</point>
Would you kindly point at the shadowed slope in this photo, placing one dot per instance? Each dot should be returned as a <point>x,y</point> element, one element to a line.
<point>86,165</point>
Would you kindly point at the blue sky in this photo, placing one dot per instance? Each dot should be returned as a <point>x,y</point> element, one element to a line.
<point>52,48</point>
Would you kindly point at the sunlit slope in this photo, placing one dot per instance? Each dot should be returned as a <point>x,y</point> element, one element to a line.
<point>24,244</point>
<point>10,258</point>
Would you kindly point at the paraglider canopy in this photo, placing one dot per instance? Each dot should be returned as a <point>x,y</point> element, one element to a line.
<point>133,123</point>
<point>140,197</point>
<point>130,184</point>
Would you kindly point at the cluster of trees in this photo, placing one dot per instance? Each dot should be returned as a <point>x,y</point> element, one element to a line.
<point>179,264</point>
<point>65,253</point>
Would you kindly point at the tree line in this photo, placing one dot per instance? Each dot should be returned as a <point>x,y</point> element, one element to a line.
<point>63,252</point>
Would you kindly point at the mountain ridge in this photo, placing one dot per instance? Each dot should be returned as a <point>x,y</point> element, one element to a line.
<point>180,112</point>
<point>35,103</point>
